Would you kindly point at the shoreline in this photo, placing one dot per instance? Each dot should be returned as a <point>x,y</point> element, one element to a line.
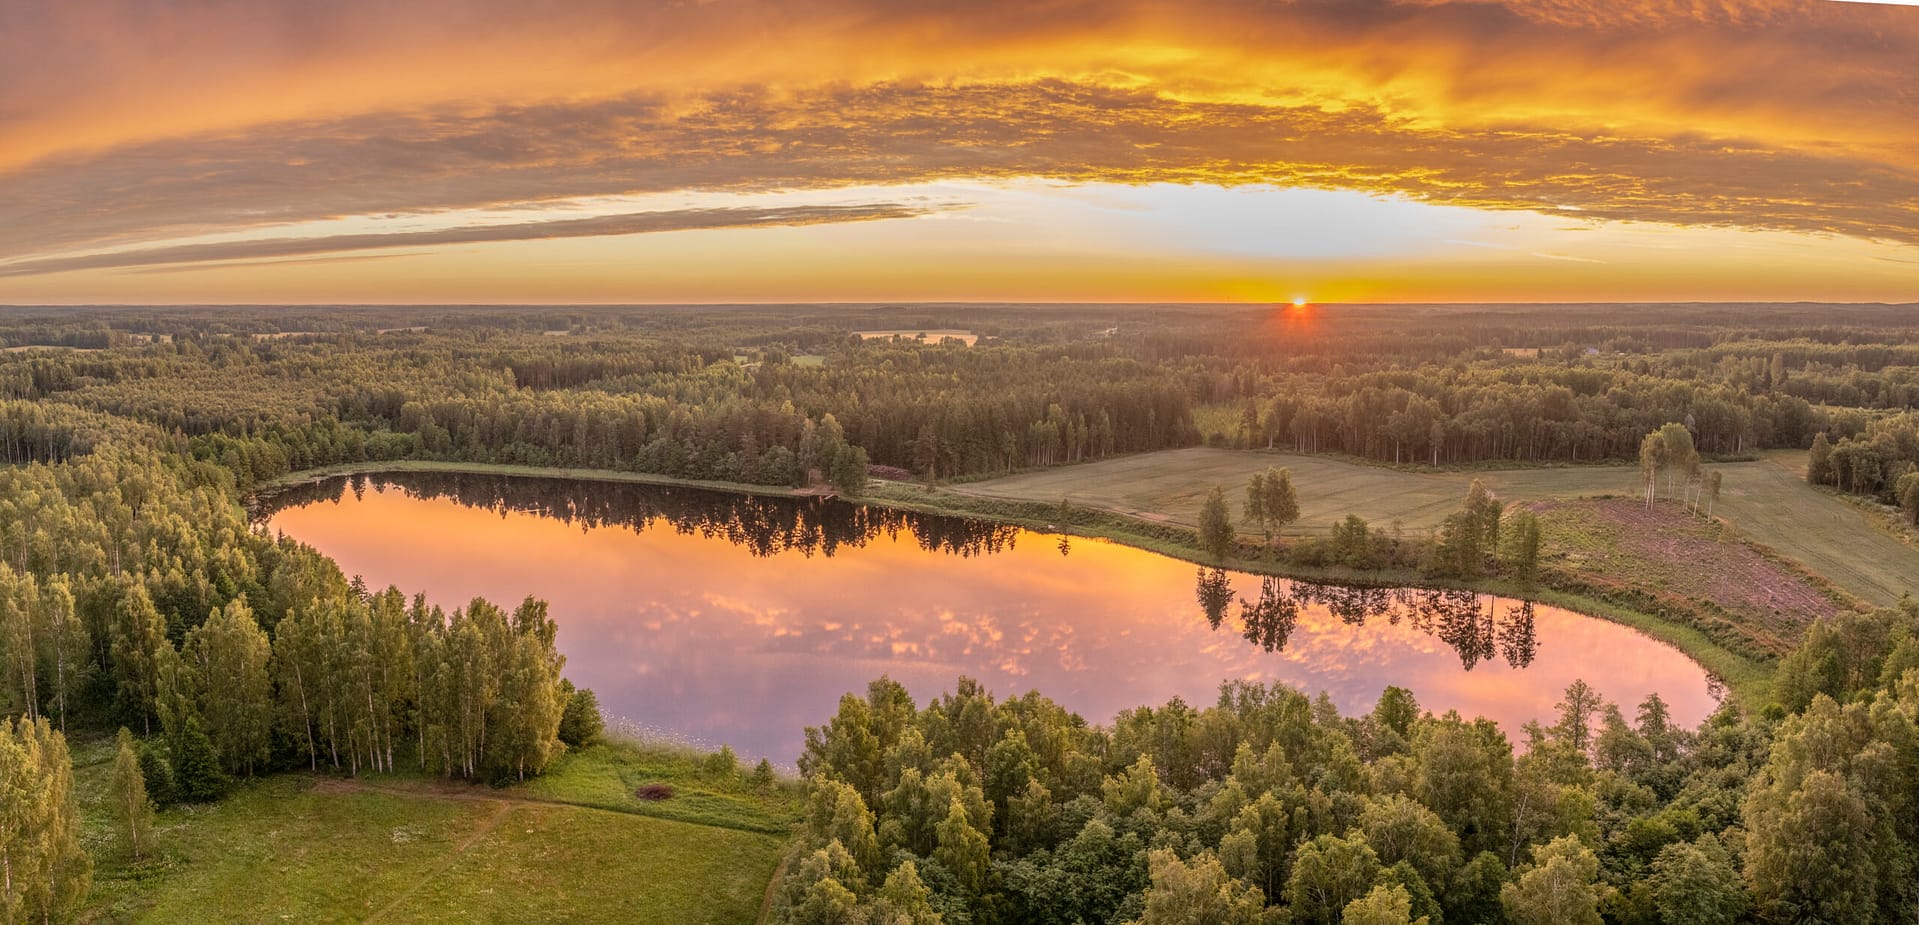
<point>1744,680</point>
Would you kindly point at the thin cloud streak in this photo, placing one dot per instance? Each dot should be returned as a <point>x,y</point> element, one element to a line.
<point>597,226</point>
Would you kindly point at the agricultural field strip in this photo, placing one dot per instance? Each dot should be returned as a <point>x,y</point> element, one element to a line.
<point>1766,500</point>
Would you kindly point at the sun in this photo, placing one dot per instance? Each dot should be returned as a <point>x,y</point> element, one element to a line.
<point>1299,301</point>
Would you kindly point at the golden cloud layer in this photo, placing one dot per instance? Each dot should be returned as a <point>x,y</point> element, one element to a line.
<point>124,122</point>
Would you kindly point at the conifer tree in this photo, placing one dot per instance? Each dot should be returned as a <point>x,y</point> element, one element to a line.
<point>196,767</point>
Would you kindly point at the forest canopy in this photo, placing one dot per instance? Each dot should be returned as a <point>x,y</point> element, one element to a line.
<point>136,591</point>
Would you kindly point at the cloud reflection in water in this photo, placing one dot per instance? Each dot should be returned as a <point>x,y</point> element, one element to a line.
<point>742,620</point>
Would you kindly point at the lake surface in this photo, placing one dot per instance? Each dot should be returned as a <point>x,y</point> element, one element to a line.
<point>717,618</point>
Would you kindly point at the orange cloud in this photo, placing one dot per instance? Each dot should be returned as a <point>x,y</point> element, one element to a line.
<point>125,123</point>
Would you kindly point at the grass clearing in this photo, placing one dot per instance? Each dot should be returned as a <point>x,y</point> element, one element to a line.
<point>1770,502</point>
<point>399,848</point>
<point>1766,500</point>
<point>608,776</point>
<point>566,864</point>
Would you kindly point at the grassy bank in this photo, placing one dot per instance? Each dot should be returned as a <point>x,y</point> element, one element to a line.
<point>406,848</point>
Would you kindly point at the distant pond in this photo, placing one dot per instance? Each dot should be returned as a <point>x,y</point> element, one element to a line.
<point>718,618</point>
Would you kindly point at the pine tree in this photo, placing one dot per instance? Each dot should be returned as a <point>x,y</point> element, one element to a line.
<point>156,775</point>
<point>196,767</point>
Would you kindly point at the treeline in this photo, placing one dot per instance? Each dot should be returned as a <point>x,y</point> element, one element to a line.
<point>265,407</point>
<point>475,694</point>
<point>726,396</point>
<point>1530,414</point>
<point>133,590</point>
<point>1880,460</point>
<point>1270,806</point>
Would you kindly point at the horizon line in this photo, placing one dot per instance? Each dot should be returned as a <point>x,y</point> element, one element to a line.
<point>961,303</point>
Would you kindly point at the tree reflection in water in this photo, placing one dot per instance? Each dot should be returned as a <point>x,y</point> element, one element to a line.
<point>1215,593</point>
<point>762,525</point>
<point>1478,628</point>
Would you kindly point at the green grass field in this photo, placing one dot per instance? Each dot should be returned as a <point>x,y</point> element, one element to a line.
<point>1770,502</point>
<point>1766,500</point>
<point>573,847</point>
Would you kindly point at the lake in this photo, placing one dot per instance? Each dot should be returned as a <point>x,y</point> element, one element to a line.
<point>718,618</point>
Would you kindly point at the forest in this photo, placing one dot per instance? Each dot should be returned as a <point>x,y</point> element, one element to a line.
<point>749,396</point>
<point>137,593</point>
<point>1269,806</point>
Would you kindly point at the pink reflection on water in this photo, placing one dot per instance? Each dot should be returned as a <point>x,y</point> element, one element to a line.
<point>696,636</point>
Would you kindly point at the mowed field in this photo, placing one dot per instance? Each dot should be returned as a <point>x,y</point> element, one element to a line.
<point>302,848</point>
<point>1767,500</point>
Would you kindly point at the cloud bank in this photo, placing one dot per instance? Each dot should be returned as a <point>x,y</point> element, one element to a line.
<point>128,124</point>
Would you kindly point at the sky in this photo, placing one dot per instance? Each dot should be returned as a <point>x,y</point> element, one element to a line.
<point>612,151</point>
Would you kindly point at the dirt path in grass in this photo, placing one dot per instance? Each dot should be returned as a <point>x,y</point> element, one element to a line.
<point>486,828</point>
<point>772,886</point>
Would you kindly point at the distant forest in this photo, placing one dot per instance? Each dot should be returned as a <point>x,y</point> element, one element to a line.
<point>136,592</point>
<point>746,394</point>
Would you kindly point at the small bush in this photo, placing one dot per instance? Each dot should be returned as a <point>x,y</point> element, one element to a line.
<point>580,720</point>
<point>653,793</point>
<point>722,763</point>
